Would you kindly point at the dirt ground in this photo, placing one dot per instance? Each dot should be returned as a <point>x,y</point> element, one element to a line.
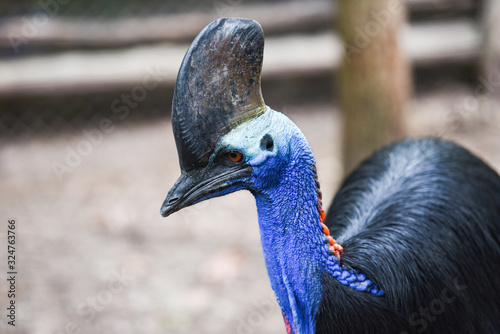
<point>95,256</point>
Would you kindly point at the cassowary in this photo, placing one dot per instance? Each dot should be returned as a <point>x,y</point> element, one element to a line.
<point>417,225</point>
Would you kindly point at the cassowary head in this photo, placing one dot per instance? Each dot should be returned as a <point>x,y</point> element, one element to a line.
<point>227,138</point>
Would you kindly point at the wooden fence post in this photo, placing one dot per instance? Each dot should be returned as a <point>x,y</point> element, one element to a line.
<point>491,51</point>
<point>374,76</point>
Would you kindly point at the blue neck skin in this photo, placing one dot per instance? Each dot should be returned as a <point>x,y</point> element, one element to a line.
<point>295,248</point>
<point>294,245</point>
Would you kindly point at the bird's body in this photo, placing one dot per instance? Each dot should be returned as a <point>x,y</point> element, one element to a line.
<point>418,222</point>
<point>422,219</point>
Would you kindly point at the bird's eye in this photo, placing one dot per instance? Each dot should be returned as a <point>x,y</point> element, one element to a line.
<point>235,156</point>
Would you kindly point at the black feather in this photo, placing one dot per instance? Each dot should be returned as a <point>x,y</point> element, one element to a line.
<point>421,218</point>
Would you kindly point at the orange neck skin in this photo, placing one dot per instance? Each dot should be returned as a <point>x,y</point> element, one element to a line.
<point>334,247</point>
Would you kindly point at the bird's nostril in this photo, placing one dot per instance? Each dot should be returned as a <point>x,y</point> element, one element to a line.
<point>173,200</point>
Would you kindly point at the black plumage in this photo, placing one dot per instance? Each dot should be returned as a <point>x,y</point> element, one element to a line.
<point>422,219</point>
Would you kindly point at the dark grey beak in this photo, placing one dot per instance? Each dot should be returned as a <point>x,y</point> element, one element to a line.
<point>195,187</point>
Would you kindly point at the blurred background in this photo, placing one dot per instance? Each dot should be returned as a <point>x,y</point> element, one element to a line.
<point>87,153</point>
